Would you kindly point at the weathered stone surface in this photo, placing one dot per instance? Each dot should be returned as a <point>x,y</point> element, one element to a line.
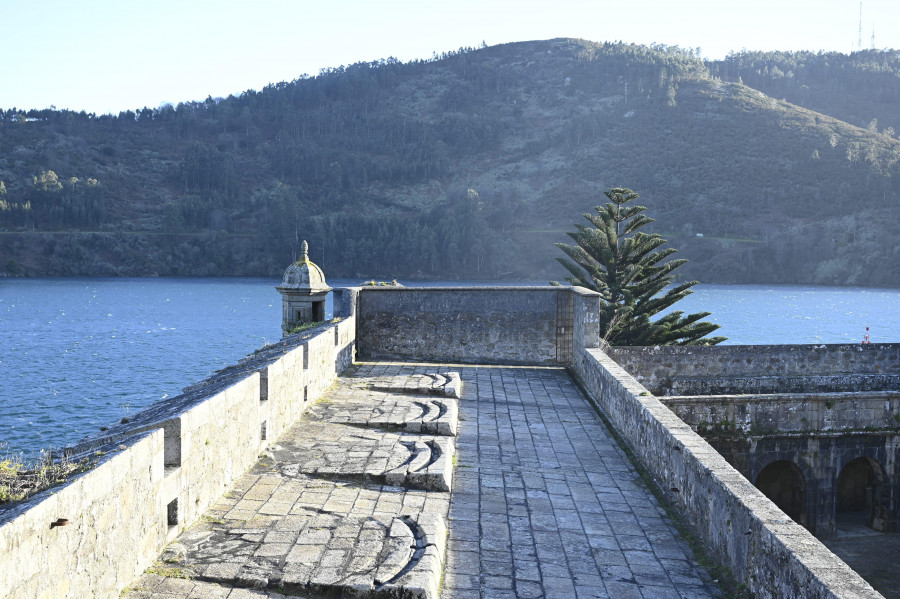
<point>414,415</point>
<point>768,552</point>
<point>761,414</point>
<point>545,504</point>
<point>466,324</point>
<point>442,383</point>
<point>723,369</point>
<point>332,508</point>
<point>344,452</point>
<point>110,513</point>
<point>320,552</point>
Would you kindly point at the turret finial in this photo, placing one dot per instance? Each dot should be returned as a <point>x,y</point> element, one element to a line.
<point>304,249</point>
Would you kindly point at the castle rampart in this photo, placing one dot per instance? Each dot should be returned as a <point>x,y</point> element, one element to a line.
<point>164,468</point>
<point>727,369</point>
<point>159,472</point>
<point>511,325</point>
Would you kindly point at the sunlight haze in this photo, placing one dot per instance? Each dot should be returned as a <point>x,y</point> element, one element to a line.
<point>106,56</point>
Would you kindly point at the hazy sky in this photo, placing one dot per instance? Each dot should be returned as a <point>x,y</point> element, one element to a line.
<point>112,55</point>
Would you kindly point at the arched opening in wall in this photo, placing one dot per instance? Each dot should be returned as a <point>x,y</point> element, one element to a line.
<point>858,500</point>
<point>783,482</point>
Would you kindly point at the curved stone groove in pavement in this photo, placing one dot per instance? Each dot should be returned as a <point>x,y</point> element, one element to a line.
<point>421,458</point>
<point>332,509</point>
<point>544,504</point>
<point>442,409</point>
<point>390,411</point>
<point>434,454</point>
<point>414,450</point>
<point>339,451</point>
<point>425,410</point>
<point>408,549</point>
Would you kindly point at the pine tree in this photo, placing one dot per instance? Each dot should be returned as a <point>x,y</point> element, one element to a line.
<point>623,264</point>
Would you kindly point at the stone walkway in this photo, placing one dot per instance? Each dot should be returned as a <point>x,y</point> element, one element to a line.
<point>874,555</point>
<point>356,499</point>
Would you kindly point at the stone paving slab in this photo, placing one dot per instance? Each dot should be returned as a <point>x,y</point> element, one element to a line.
<point>394,412</point>
<point>444,383</point>
<point>155,586</point>
<point>544,504</point>
<point>326,449</point>
<point>317,552</point>
<point>329,510</point>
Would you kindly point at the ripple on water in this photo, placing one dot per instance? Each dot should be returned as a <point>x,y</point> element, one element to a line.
<point>86,352</point>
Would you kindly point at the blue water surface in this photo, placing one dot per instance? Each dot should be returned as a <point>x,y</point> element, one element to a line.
<point>767,314</point>
<point>78,354</point>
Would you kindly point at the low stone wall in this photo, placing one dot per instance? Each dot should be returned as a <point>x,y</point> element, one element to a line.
<point>116,528</point>
<point>790,412</point>
<point>818,433</point>
<point>513,325</point>
<point>168,465</point>
<point>729,369</point>
<point>764,549</point>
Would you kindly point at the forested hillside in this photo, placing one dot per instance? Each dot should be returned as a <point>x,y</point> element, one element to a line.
<point>471,165</point>
<point>862,88</point>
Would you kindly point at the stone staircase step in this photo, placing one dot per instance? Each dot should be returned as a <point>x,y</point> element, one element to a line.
<point>320,555</point>
<point>395,412</point>
<point>340,451</point>
<point>443,383</point>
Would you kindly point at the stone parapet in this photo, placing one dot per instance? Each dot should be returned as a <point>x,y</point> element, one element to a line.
<point>157,473</point>
<point>511,325</point>
<point>765,550</point>
<point>775,413</point>
<point>728,369</point>
<point>113,520</point>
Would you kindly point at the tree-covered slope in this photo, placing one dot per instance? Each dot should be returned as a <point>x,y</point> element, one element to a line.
<point>862,88</point>
<point>469,165</point>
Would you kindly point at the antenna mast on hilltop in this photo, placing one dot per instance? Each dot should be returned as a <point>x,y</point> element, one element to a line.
<point>873,37</point>
<point>859,39</point>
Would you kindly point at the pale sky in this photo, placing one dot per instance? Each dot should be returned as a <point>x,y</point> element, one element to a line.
<point>112,55</point>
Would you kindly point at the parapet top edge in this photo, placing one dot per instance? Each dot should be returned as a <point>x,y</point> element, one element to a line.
<point>823,396</point>
<point>687,349</point>
<point>482,288</point>
<point>101,452</point>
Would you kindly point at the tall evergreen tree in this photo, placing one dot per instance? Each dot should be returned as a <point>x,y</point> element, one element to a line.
<point>624,265</point>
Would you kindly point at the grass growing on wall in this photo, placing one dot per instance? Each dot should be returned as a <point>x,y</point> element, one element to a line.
<point>305,326</point>
<point>21,478</point>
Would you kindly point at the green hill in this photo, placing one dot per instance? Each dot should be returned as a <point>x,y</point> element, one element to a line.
<point>859,88</point>
<point>469,165</point>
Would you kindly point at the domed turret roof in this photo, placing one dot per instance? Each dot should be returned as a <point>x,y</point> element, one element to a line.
<point>304,274</point>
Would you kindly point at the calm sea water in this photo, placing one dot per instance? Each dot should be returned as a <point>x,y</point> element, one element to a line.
<point>78,354</point>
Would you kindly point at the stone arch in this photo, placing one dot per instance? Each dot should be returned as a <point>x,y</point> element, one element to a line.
<point>783,482</point>
<point>859,493</point>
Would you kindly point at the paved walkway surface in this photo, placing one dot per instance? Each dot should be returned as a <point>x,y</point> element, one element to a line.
<point>361,498</point>
<point>874,555</point>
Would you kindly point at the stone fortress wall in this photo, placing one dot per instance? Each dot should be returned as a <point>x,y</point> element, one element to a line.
<point>801,421</point>
<point>725,369</point>
<point>507,325</point>
<point>159,472</point>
